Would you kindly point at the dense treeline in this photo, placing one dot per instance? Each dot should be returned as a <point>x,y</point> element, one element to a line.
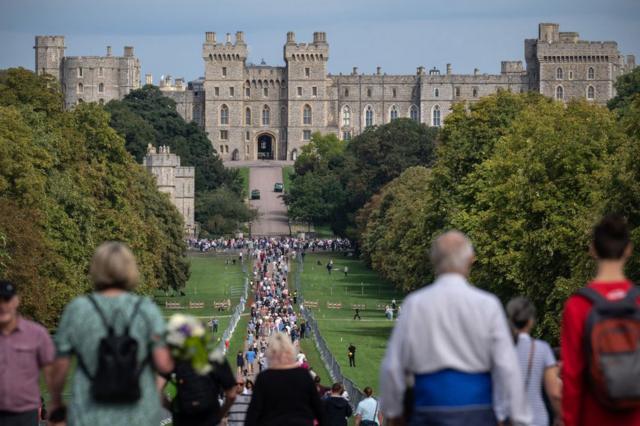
<point>145,117</point>
<point>67,184</point>
<point>526,178</point>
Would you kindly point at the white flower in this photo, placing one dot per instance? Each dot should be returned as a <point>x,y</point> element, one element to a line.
<point>197,330</point>
<point>216,356</point>
<point>176,338</point>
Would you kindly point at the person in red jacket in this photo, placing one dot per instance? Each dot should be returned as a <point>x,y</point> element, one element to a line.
<point>611,247</point>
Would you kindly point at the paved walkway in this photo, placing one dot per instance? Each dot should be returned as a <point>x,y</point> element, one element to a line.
<point>258,163</point>
<point>273,218</point>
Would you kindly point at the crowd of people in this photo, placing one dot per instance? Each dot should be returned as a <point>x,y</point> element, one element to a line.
<point>454,357</point>
<point>261,243</point>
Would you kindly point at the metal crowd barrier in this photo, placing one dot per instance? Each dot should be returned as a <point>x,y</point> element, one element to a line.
<point>237,312</point>
<point>330,362</point>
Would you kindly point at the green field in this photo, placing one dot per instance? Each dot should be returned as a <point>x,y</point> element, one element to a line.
<point>212,279</point>
<point>361,286</point>
<point>244,174</point>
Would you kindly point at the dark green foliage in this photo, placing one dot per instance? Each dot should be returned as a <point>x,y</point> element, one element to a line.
<point>145,117</point>
<point>66,185</point>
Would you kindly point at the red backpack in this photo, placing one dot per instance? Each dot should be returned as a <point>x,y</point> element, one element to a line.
<point>612,344</point>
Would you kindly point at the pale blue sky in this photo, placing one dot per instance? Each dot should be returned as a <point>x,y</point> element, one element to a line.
<point>397,35</point>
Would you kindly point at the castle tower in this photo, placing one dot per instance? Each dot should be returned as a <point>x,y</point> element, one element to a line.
<point>306,65</point>
<point>49,54</point>
<point>224,79</point>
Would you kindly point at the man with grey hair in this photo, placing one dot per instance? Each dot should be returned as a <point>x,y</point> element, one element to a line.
<point>453,345</point>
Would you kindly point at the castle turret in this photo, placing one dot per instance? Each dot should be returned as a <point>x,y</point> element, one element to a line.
<point>49,54</point>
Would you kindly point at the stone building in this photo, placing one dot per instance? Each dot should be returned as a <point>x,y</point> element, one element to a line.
<point>175,180</point>
<point>87,78</point>
<point>259,111</point>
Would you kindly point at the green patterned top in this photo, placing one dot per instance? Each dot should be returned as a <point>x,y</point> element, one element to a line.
<point>80,332</point>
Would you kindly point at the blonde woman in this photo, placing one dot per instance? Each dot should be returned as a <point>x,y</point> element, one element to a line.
<point>284,394</point>
<point>84,327</point>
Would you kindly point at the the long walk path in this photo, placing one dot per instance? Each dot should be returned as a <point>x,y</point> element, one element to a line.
<point>273,218</point>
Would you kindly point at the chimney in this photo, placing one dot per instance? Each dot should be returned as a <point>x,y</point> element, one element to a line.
<point>291,37</point>
<point>128,51</point>
<point>319,37</point>
<point>148,79</point>
<point>239,37</point>
<point>476,71</point>
<point>378,70</point>
<point>355,71</point>
<point>108,50</point>
<point>228,38</point>
<point>448,69</point>
<point>210,37</point>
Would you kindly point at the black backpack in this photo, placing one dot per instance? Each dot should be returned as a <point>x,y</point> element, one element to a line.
<point>116,379</point>
<point>195,393</point>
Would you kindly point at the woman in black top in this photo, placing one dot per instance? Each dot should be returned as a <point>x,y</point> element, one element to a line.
<point>284,395</point>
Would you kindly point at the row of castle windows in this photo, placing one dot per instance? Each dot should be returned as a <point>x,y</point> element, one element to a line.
<point>436,92</point>
<point>596,58</point>
<point>591,74</point>
<point>394,113</point>
<point>80,88</point>
<point>590,93</point>
<point>266,115</point>
<point>308,57</point>
<point>81,72</point>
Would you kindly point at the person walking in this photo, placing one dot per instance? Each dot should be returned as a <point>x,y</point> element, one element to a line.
<point>250,356</point>
<point>351,353</point>
<point>367,412</point>
<point>337,409</point>
<point>585,401</point>
<point>88,330</point>
<point>357,315</point>
<point>26,349</point>
<point>346,271</point>
<point>238,411</point>
<point>284,394</point>
<point>537,363</point>
<point>453,339</point>
<point>240,363</point>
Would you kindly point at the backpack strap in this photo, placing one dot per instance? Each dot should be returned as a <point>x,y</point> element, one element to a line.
<point>106,323</point>
<point>605,307</point>
<point>136,308</point>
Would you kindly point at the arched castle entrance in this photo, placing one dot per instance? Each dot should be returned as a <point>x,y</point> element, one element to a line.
<point>266,147</point>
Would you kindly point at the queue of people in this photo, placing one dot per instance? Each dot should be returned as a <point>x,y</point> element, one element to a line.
<point>298,244</point>
<point>454,357</point>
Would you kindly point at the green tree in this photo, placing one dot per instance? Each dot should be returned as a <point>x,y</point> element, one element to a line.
<point>627,86</point>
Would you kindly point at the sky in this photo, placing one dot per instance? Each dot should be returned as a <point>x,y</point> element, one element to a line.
<point>397,35</point>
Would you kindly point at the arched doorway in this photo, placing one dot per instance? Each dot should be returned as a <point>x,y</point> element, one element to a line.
<point>294,154</point>
<point>235,156</point>
<point>265,147</point>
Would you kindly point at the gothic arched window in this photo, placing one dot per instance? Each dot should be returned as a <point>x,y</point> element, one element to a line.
<point>224,114</point>
<point>393,113</point>
<point>413,113</point>
<point>247,116</point>
<point>559,93</point>
<point>306,115</point>
<point>346,116</point>
<point>435,116</point>
<point>591,93</point>
<point>368,116</point>
<point>559,74</point>
<point>591,73</point>
<point>266,115</point>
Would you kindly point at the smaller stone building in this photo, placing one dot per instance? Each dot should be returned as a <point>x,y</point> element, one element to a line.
<point>175,180</point>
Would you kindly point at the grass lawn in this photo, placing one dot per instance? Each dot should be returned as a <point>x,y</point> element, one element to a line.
<point>287,171</point>
<point>244,174</point>
<point>361,286</point>
<point>212,279</point>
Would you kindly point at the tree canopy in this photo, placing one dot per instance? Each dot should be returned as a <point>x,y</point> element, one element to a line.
<point>66,185</point>
<point>145,116</point>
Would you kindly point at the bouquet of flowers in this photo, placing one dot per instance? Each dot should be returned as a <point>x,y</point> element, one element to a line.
<point>191,341</point>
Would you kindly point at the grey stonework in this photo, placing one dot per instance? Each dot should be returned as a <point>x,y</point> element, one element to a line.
<point>87,78</point>
<point>339,103</point>
<point>233,91</point>
<point>175,180</point>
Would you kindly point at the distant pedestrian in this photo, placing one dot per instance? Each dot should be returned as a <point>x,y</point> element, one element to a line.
<point>215,325</point>
<point>453,344</point>
<point>240,363</point>
<point>25,349</point>
<point>346,271</point>
<point>351,353</point>
<point>357,314</point>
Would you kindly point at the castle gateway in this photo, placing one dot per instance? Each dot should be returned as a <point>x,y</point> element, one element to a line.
<point>269,112</point>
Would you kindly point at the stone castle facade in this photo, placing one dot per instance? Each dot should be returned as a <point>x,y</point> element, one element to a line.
<point>269,112</point>
<point>175,180</point>
<point>87,78</point>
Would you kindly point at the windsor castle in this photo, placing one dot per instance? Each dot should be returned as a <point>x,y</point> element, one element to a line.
<point>269,112</point>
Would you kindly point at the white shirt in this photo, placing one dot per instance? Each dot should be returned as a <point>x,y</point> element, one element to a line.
<point>451,325</point>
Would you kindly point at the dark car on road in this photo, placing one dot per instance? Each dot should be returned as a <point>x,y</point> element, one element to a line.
<point>278,187</point>
<point>255,194</point>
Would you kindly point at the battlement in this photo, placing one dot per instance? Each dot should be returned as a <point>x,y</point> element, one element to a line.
<point>50,41</point>
<point>227,51</point>
<point>316,51</point>
<point>511,67</point>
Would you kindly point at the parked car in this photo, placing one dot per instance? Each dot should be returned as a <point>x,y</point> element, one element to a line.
<point>278,187</point>
<point>255,194</point>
